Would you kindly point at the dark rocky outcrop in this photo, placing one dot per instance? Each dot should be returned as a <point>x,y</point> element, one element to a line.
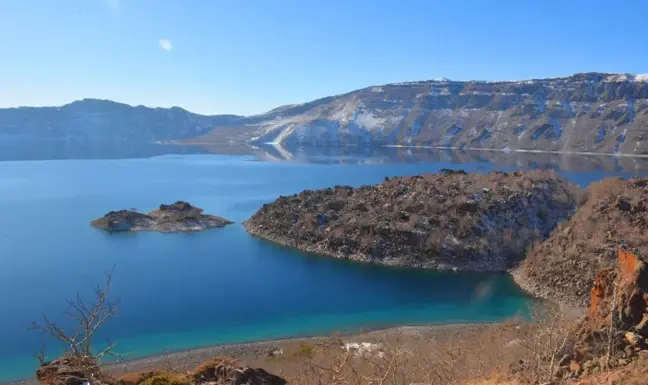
<point>176,217</point>
<point>450,220</point>
<point>614,212</point>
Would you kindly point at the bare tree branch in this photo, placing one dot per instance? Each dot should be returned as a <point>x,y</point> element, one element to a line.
<point>88,319</point>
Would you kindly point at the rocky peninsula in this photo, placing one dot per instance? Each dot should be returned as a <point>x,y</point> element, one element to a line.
<point>613,213</point>
<point>452,220</point>
<point>177,217</point>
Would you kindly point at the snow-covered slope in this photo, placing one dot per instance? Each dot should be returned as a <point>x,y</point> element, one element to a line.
<point>588,112</point>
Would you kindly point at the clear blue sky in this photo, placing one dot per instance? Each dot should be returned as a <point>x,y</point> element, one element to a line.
<point>246,57</point>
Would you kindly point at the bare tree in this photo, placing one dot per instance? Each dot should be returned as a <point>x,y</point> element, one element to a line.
<point>552,335</point>
<point>88,319</point>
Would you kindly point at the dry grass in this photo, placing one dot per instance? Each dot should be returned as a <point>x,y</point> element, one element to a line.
<point>452,355</point>
<point>408,356</point>
<point>139,377</point>
<point>166,379</point>
<point>477,355</point>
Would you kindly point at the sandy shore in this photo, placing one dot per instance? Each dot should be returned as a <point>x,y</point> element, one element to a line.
<point>189,359</point>
<point>254,352</point>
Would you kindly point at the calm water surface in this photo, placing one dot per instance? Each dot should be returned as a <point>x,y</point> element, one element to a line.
<point>188,290</point>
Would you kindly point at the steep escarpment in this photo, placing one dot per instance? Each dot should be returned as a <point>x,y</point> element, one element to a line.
<point>563,268</point>
<point>177,217</point>
<point>587,112</point>
<point>450,220</point>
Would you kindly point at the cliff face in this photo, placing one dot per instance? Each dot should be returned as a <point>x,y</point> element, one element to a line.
<point>563,268</point>
<point>450,220</point>
<point>589,112</point>
<point>629,303</point>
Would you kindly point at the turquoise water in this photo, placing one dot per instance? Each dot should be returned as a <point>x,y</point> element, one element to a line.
<point>181,291</point>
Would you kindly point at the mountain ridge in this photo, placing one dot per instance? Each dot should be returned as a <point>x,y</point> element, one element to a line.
<point>101,120</point>
<point>585,112</point>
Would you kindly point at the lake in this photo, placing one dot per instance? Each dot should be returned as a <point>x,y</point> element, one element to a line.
<point>180,291</point>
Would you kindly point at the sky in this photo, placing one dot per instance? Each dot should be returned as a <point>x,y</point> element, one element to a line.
<point>249,56</point>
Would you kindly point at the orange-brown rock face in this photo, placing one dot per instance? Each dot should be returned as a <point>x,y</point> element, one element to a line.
<point>625,290</point>
<point>602,291</point>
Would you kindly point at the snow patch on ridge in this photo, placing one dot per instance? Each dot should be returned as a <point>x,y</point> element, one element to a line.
<point>627,77</point>
<point>439,91</point>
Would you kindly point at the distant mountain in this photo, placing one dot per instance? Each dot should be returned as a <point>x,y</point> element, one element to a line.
<point>102,121</point>
<point>587,112</point>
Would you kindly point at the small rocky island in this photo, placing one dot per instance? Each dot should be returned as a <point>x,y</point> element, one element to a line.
<point>178,217</point>
<point>452,220</point>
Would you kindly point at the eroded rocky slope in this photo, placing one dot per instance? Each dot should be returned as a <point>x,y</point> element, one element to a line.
<point>450,220</point>
<point>614,212</point>
<point>587,112</point>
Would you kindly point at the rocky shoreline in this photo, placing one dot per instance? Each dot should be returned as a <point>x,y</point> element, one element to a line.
<point>447,221</point>
<point>551,236</point>
<point>177,217</point>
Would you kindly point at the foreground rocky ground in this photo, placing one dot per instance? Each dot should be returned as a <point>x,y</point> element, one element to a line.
<point>451,220</point>
<point>177,217</point>
<point>613,212</point>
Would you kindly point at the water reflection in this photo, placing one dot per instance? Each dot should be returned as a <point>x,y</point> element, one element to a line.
<point>48,150</point>
<point>383,155</point>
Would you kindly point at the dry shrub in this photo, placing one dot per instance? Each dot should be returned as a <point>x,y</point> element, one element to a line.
<point>139,377</point>
<point>221,369</point>
<point>71,370</point>
<point>552,336</point>
<point>166,379</point>
<point>305,350</point>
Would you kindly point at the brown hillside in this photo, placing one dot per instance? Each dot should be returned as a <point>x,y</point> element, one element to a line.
<point>450,220</point>
<point>614,213</point>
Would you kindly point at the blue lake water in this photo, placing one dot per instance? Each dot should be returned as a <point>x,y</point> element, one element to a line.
<point>181,291</point>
